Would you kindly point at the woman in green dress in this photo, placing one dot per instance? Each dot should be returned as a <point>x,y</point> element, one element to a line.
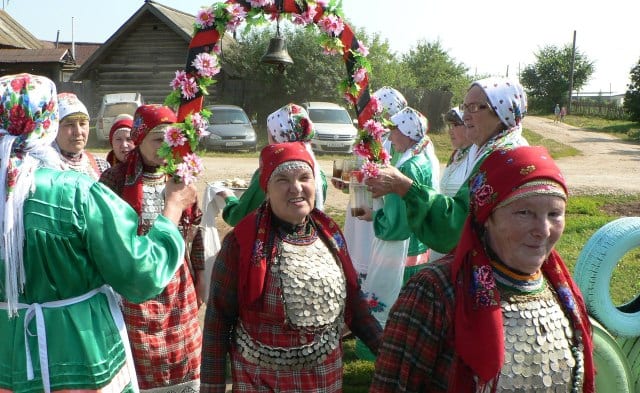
<point>69,243</point>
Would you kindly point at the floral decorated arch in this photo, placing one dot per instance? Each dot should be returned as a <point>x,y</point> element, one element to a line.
<point>190,85</point>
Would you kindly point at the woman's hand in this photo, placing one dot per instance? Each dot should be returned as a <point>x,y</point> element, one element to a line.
<point>178,197</point>
<point>340,185</point>
<point>367,216</point>
<point>389,180</point>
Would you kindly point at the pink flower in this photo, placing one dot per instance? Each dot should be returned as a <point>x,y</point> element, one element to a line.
<point>376,105</point>
<point>206,64</point>
<point>375,129</point>
<point>236,10</point>
<point>217,49</point>
<point>362,149</point>
<point>322,3</point>
<point>331,24</point>
<point>370,169</point>
<point>261,3</point>
<point>384,157</point>
<point>199,123</point>
<point>194,162</point>
<point>174,137</point>
<point>205,17</point>
<point>349,98</point>
<point>363,50</point>
<point>183,171</point>
<point>189,88</point>
<point>329,51</point>
<point>360,75</point>
<point>178,80</point>
<point>305,18</point>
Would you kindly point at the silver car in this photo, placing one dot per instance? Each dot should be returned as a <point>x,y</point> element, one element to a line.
<point>229,129</point>
<point>335,131</point>
<point>113,105</point>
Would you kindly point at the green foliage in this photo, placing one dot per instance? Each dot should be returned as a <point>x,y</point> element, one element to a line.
<point>547,80</point>
<point>632,96</point>
<point>626,129</point>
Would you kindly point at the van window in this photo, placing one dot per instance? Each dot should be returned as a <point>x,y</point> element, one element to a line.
<point>329,116</point>
<point>112,110</point>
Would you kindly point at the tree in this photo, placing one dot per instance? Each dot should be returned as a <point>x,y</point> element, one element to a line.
<point>547,80</point>
<point>632,96</point>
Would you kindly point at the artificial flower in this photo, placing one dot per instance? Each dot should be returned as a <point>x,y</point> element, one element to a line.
<point>206,64</point>
<point>204,18</point>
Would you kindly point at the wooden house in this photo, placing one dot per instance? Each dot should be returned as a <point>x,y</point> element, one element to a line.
<point>142,56</point>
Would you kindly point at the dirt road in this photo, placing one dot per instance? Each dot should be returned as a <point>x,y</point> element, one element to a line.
<point>606,164</point>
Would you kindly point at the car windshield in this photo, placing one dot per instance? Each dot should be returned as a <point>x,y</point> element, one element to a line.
<point>339,116</point>
<point>112,110</point>
<point>228,116</point>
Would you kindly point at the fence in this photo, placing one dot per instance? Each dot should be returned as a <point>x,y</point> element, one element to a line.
<point>606,110</point>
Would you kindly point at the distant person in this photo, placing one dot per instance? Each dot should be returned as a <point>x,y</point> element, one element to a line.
<point>120,139</point>
<point>493,110</point>
<point>556,113</point>
<point>291,123</point>
<point>563,113</point>
<point>68,241</point>
<point>73,136</point>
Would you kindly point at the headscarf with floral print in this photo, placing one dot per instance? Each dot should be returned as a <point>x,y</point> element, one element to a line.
<point>145,119</point>
<point>255,231</point>
<point>506,97</point>
<point>291,123</point>
<point>504,176</point>
<point>28,126</point>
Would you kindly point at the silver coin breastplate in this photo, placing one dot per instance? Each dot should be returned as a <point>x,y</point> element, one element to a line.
<point>152,203</point>
<point>540,354</point>
<point>313,285</point>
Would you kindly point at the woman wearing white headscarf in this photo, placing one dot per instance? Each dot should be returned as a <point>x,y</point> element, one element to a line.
<point>493,109</point>
<point>291,123</point>
<point>396,254</point>
<point>67,241</point>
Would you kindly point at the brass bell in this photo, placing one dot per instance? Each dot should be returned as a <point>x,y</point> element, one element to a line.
<point>277,53</point>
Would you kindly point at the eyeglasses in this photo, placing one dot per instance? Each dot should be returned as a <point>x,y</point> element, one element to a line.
<point>474,107</point>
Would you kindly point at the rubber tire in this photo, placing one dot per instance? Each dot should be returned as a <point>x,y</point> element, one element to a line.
<point>594,269</point>
<point>631,349</point>
<point>613,374</point>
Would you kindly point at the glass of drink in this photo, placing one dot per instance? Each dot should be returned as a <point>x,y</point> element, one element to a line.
<point>337,168</point>
<point>360,199</point>
<point>347,167</point>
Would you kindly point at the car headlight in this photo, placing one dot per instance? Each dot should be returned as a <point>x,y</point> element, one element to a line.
<point>214,137</point>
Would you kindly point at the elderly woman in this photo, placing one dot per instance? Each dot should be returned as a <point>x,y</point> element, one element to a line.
<point>502,313</point>
<point>73,136</point>
<point>282,289</point>
<point>120,139</point>
<point>68,241</point>
<point>493,110</point>
<point>291,123</point>
<point>164,331</point>
<point>459,164</point>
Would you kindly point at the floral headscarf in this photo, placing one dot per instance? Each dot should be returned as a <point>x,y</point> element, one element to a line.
<point>28,126</point>
<point>479,336</point>
<point>507,98</point>
<point>291,123</point>
<point>391,99</point>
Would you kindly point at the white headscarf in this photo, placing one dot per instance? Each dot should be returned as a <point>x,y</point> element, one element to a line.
<point>69,104</point>
<point>28,126</point>
<point>507,98</point>
<point>391,99</point>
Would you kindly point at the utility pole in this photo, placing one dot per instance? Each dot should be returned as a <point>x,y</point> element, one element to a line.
<point>573,60</point>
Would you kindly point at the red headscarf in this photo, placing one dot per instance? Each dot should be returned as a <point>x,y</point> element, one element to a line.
<point>145,119</point>
<point>479,335</point>
<point>253,231</point>
<point>122,121</point>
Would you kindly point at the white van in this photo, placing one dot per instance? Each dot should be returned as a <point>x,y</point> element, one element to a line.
<point>111,106</point>
<point>335,131</point>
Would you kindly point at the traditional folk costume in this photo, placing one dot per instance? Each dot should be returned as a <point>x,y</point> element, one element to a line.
<point>469,323</point>
<point>437,219</point>
<point>68,240</point>
<point>84,161</point>
<point>164,331</point>
<point>123,122</point>
<point>281,295</point>
<point>291,123</point>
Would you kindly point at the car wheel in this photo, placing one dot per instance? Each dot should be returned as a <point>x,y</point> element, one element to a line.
<point>594,269</point>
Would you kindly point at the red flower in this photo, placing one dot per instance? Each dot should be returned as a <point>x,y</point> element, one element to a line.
<point>306,126</point>
<point>181,151</point>
<point>17,120</point>
<point>19,83</point>
<point>49,107</point>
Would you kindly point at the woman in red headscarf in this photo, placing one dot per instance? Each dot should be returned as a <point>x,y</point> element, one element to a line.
<point>502,313</point>
<point>282,289</point>
<point>164,332</point>
<point>120,139</point>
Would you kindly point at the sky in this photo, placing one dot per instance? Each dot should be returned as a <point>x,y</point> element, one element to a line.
<point>496,37</point>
